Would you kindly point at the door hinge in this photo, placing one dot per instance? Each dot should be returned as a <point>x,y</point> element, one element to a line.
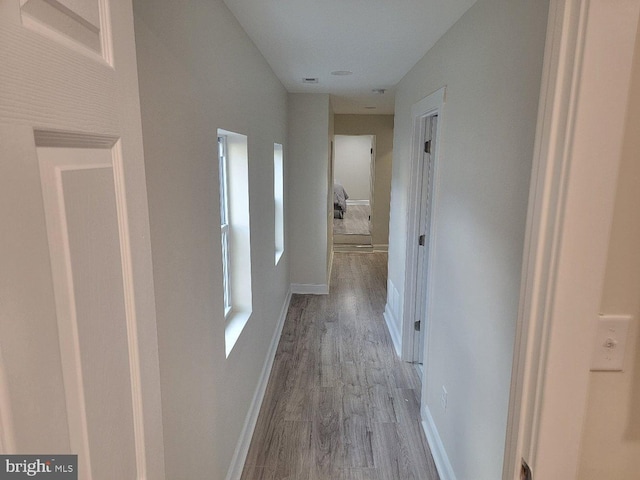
<point>421,240</point>
<point>427,146</point>
<point>416,325</point>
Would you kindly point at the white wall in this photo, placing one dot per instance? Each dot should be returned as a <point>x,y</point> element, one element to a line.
<point>352,165</point>
<point>382,127</point>
<point>200,72</point>
<point>308,182</point>
<point>611,436</point>
<point>490,62</point>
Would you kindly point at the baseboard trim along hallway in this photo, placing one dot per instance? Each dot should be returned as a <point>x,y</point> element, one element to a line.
<point>440,457</point>
<point>392,326</point>
<point>244,442</point>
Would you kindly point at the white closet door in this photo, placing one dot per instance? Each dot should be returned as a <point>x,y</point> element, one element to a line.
<point>78,344</point>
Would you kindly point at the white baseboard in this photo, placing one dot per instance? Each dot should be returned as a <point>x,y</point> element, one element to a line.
<point>242,447</point>
<point>310,288</point>
<point>330,269</point>
<point>358,202</point>
<point>380,247</point>
<point>440,457</point>
<point>392,326</point>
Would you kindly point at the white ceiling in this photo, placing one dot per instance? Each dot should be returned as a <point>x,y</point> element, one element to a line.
<point>378,40</point>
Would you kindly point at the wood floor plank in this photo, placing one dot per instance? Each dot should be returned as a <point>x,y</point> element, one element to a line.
<point>339,404</point>
<point>327,433</point>
<point>361,474</point>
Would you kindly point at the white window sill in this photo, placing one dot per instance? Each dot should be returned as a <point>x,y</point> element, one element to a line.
<point>279,254</point>
<point>235,324</point>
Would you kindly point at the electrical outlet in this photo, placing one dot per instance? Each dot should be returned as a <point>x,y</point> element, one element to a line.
<point>443,398</point>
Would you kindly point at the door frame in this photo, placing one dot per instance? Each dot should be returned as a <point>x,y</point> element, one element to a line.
<point>372,183</point>
<point>427,107</point>
<point>372,159</point>
<point>589,50</point>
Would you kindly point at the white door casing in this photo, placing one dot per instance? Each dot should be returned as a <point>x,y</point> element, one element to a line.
<point>430,125</point>
<point>421,113</point>
<point>372,182</point>
<point>586,76</point>
<point>78,340</point>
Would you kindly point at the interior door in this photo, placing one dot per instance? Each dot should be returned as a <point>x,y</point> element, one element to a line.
<point>78,344</point>
<point>426,193</point>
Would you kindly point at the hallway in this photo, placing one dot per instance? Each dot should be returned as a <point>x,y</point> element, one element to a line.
<point>340,405</point>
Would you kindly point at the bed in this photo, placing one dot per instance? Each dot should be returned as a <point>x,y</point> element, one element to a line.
<point>340,197</point>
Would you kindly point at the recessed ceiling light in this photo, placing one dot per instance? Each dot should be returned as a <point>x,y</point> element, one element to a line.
<point>342,73</point>
<point>379,91</point>
<point>310,80</point>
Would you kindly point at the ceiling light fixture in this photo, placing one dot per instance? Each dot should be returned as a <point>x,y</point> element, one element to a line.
<point>310,80</point>
<point>342,73</point>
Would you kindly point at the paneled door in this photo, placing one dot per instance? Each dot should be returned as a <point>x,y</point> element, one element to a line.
<point>78,345</point>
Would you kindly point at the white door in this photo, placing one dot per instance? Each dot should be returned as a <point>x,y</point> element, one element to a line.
<point>78,344</point>
<point>425,201</point>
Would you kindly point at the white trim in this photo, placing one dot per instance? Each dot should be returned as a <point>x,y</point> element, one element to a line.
<point>51,169</point>
<point>358,202</point>
<point>130,309</point>
<point>310,288</point>
<point>590,46</point>
<point>330,268</point>
<point>440,457</point>
<point>244,442</point>
<point>236,321</point>
<point>392,326</point>
<point>428,106</point>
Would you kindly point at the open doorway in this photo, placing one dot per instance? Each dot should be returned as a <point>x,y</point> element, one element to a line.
<point>353,178</point>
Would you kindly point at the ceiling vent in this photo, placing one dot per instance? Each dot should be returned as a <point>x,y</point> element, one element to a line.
<point>310,80</point>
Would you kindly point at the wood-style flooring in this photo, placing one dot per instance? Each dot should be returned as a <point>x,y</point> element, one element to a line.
<point>339,404</point>
<point>355,221</point>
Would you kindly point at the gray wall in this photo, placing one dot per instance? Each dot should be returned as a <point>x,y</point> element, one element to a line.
<point>382,127</point>
<point>308,161</point>
<point>199,72</point>
<point>490,62</point>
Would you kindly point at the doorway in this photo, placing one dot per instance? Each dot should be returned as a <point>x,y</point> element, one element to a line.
<point>425,196</point>
<point>427,116</point>
<point>353,184</point>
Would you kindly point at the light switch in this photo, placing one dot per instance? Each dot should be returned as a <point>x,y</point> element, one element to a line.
<point>611,340</point>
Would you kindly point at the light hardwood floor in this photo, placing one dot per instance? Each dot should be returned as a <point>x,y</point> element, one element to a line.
<point>340,405</point>
<point>355,221</point>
